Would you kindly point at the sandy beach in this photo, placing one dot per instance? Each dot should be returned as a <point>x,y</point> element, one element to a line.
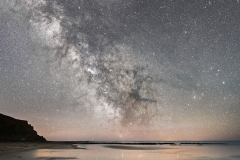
<point>16,150</point>
<point>70,150</point>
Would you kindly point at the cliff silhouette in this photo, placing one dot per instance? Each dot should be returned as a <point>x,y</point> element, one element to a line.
<point>12,129</point>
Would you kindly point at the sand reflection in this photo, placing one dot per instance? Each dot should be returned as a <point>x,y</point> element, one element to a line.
<point>143,152</point>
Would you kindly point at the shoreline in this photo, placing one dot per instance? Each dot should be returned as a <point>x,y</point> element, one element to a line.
<point>13,147</point>
<point>16,147</point>
<point>81,149</point>
<point>143,143</point>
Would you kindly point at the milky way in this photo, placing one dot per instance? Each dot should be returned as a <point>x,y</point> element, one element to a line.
<point>136,69</point>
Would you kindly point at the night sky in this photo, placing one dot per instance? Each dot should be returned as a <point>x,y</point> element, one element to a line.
<point>122,69</point>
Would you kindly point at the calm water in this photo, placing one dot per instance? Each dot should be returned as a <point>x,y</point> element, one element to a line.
<point>143,152</point>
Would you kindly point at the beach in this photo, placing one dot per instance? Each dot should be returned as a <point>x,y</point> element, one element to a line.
<point>22,150</point>
<point>61,150</point>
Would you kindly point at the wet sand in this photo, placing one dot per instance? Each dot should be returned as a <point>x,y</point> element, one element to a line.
<point>71,150</point>
<point>15,150</point>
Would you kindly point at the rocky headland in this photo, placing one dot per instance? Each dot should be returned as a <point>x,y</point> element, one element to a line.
<point>12,129</point>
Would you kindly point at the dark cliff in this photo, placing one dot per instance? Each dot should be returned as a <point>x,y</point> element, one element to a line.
<point>17,130</point>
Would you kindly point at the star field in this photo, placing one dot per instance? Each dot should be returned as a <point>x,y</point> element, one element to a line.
<point>122,70</point>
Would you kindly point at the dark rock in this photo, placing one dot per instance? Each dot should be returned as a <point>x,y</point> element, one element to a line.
<point>17,130</point>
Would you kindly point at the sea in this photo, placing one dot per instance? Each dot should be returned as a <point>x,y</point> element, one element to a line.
<point>146,151</point>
